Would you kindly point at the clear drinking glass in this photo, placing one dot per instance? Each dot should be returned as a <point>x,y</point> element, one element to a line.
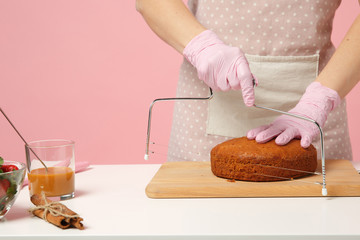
<point>54,173</point>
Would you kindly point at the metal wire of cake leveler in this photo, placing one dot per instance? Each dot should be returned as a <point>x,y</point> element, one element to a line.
<point>322,150</point>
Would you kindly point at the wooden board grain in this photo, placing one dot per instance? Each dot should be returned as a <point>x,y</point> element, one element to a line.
<point>195,180</point>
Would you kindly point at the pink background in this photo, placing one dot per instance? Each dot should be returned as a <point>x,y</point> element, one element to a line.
<point>87,70</point>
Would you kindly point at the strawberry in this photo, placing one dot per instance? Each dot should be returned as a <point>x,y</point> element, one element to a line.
<point>9,168</point>
<point>4,185</point>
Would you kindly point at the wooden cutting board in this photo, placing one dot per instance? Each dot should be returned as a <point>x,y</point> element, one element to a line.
<point>195,180</point>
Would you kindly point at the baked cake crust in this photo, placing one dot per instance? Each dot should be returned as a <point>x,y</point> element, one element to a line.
<point>244,159</point>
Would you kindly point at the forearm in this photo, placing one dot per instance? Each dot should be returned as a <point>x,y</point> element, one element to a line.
<point>342,72</point>
<point>171,21</point>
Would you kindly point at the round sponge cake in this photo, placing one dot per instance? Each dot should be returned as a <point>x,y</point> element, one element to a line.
<point>244,159</point>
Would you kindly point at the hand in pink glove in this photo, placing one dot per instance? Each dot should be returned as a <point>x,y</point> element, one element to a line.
<point>317,102</point>
<point>220,66</point>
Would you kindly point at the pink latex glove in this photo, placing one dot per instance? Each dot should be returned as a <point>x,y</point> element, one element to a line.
<point>220,66</point>
<point>316,103</point>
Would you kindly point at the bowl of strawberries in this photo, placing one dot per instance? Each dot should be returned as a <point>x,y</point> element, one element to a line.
<point>12,175</point>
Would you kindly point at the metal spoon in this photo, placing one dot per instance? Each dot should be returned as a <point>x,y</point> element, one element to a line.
<point>23,139</point>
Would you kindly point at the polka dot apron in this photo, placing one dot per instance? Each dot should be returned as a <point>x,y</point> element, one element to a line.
<point>274,35</point>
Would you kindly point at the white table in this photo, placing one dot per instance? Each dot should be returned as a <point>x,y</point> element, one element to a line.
<point>112,201</point>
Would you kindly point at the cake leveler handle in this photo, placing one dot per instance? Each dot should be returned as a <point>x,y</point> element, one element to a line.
<point>324,189</point>
<point>146,157</point>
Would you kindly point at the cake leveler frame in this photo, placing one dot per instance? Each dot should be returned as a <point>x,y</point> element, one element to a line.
<point>322,150</point>
<point>146,157</point>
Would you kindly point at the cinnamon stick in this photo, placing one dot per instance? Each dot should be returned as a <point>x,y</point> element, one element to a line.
<point>55,212</point>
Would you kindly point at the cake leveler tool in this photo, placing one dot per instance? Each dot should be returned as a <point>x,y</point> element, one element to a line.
<point>18,133</point>
<point>322,150</point>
